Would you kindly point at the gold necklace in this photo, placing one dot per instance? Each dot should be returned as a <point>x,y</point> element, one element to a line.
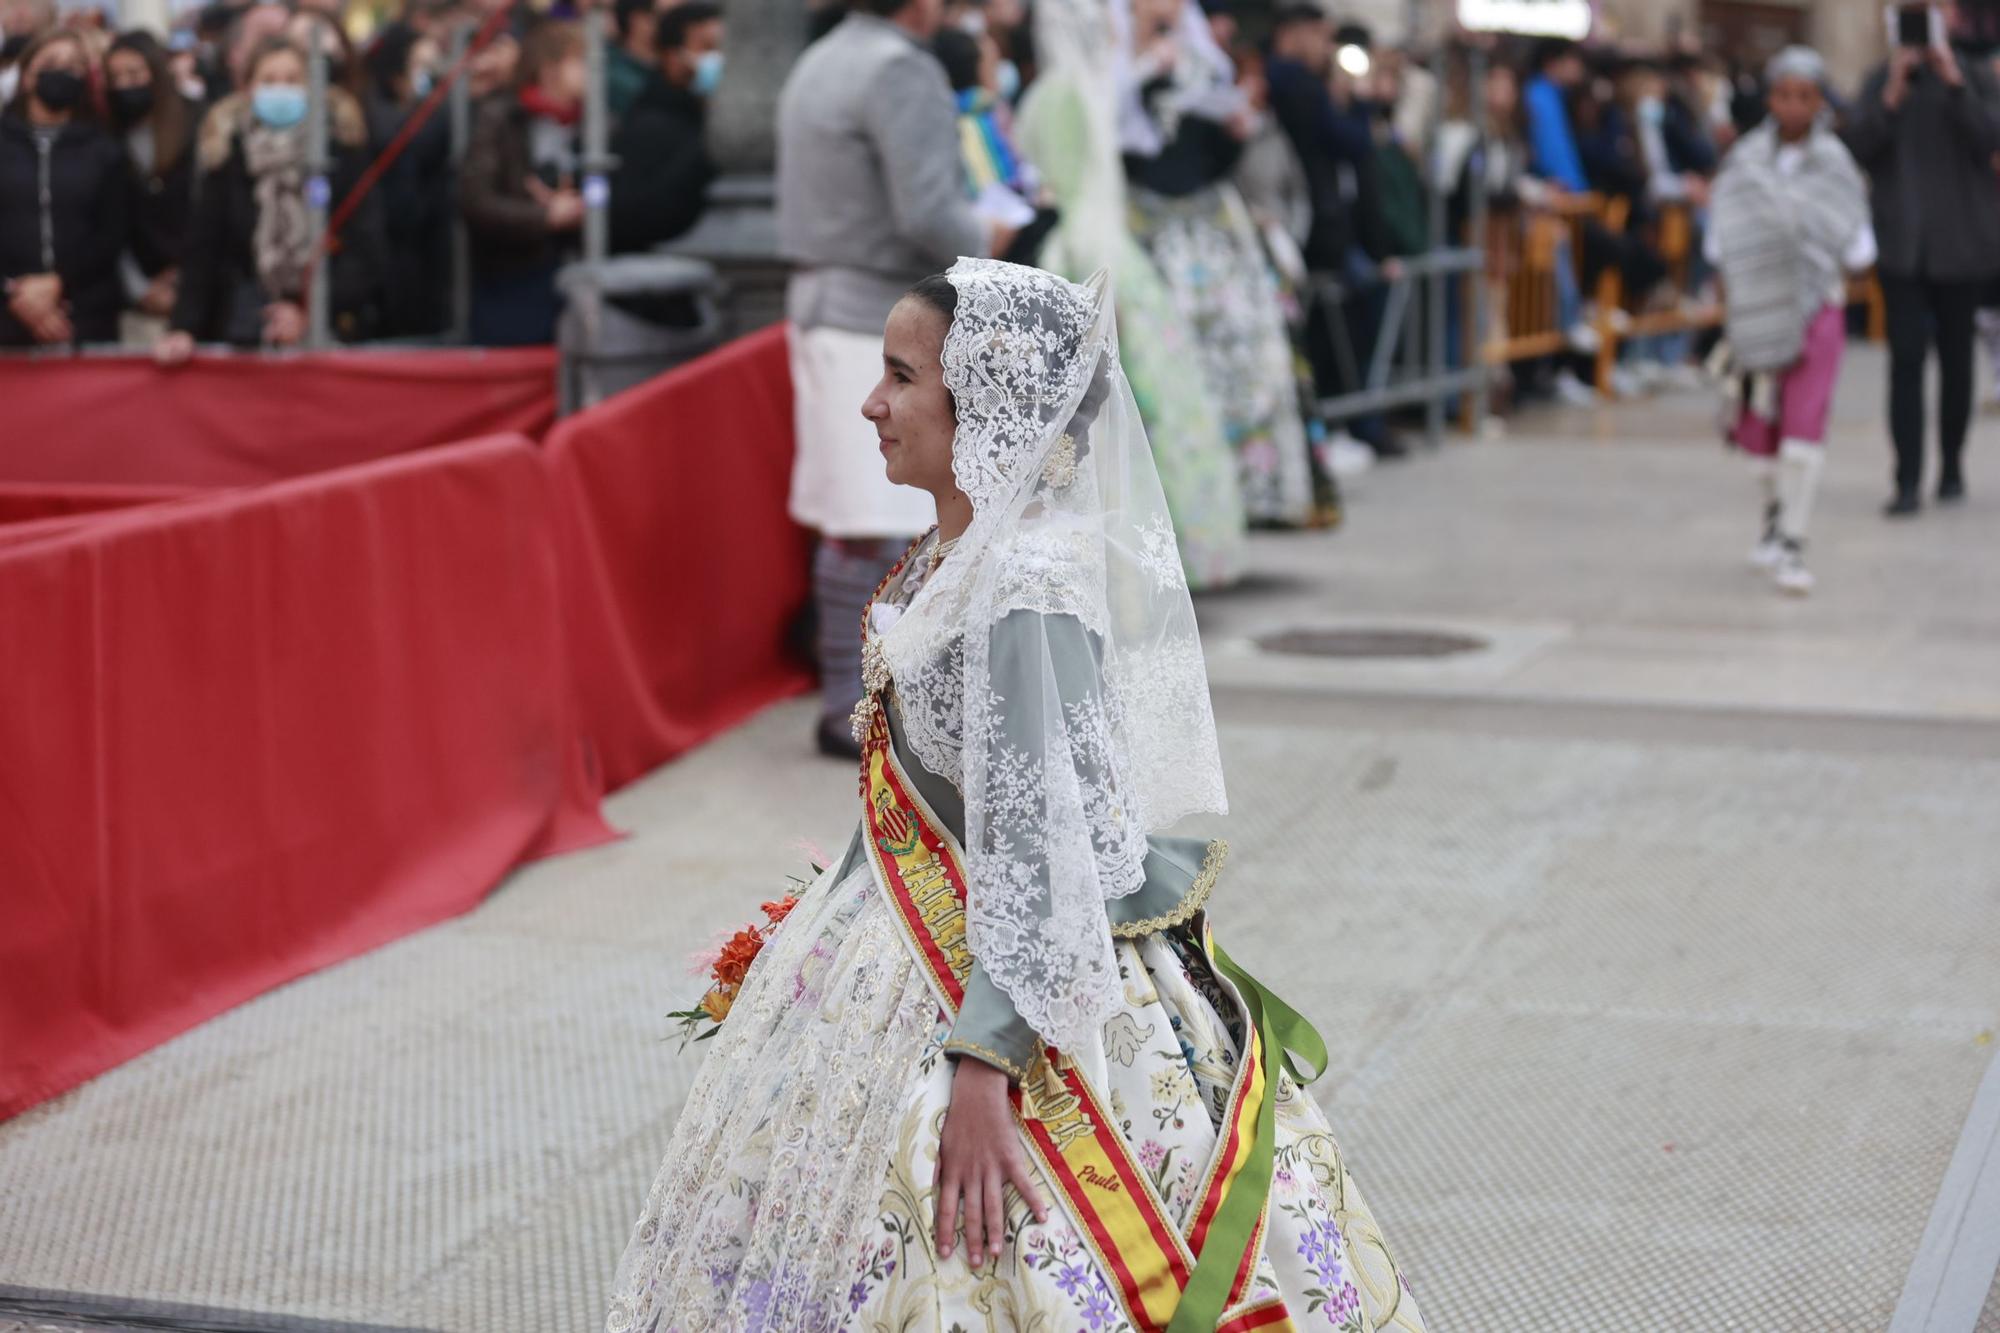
<point>940,551</point>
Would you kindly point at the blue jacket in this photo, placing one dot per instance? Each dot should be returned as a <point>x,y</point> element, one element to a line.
<point>1552,152</point>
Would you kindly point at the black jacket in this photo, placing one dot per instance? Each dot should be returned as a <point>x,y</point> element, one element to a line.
<point>219,284</point>
<point>1937,208</point>
<point>663,170</point>
<point>1201,153</point>
<point>85,222</point>
<point>1337,148</point>
<point>162,203</point>
<point>419,203</point>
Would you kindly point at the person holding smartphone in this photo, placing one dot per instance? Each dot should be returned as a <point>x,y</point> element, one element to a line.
<point>1925,128</point>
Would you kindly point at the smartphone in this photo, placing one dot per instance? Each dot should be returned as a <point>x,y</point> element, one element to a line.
<point>1916,27</point>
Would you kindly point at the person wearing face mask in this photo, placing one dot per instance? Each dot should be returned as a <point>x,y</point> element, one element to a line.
<point>250,248</point>
<point>157,124</point>
<point>399,68</point>
<point>65,204</point>
<point>664,169</point>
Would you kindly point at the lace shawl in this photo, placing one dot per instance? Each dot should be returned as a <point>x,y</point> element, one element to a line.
<point>1064,771</point>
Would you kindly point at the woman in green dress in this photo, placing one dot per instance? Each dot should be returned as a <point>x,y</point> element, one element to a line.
<point>1181,122</point>
<point>1066,128</point>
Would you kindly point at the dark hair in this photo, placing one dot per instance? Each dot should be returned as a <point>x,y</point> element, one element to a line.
<point>171,119</point>
<point>958,51</point>
<point>388,57</point>
<point>86,111</point>
<point>881,8</point>
<point>1295,14</point>
<point>672,32</point>
<point>1551,49</point>
<point>938,293</point>
<point>622,12</point>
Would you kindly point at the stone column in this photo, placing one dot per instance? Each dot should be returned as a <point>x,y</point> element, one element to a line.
<point>1850,36</point>
<point>1646,22</point>
<point>153,15</point>
<point>738,231</point>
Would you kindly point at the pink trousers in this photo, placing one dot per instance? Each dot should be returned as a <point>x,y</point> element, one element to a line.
<point>1805,392</point>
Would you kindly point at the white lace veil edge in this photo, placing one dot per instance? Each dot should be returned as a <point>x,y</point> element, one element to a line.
<point>1052,665</point>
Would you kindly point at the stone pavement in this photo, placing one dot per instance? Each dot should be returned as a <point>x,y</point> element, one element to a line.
<point>1657,942</point>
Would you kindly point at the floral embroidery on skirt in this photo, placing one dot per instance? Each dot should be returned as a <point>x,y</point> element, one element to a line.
<point>798,1192</point>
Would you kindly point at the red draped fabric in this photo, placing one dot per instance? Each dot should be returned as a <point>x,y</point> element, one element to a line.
<point>247,735</point>
<point>255,725</point>
<point>24,502</point>
<point>244,420</point>
<point>682,573</point>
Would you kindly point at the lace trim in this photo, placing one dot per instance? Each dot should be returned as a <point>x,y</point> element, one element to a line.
<point>986,1055</point>
<point>1191,902</point>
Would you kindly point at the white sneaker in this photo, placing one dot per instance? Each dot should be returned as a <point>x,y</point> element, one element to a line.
<point>1767,554</point>
<point>1626,384</point>
<point>1348,457</point>
<point>1683,378</point>
<point>1573,392</point>
<point>1790,573</point>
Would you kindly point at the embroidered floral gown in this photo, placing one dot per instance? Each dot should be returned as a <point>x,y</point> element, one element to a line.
<point>1198,469</point>
<point>799,1189</point>
<point>1206,246</point>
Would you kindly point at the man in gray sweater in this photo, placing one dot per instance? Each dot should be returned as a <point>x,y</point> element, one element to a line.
<point>1925,128</point>
<point>871,199</point>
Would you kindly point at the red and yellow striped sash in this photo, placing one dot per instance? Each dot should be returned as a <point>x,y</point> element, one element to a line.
<point>1083,1155</point>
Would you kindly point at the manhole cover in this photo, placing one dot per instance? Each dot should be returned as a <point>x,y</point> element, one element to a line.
<point>1370,643</point>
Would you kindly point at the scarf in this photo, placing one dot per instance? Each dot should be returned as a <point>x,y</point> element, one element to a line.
<point>282,242</point>
<point>541,104</point>
<point>988,157</point>
<point>1782,237</point>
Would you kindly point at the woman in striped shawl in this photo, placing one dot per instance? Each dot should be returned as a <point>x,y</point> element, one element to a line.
<point>1790,222</point>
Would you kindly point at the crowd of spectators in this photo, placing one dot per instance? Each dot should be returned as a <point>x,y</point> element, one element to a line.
<point>154,187</point>
<point>1273,171</point>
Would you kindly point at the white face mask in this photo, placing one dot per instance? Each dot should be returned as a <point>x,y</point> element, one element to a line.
<point>10,79</point>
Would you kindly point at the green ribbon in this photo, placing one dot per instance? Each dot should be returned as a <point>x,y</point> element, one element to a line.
<point>1285,1032</point>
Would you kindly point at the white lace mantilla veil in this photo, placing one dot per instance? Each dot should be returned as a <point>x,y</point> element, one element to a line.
<point>1064,771</point>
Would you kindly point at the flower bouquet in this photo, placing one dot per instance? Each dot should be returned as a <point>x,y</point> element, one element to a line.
<point>726,970</point>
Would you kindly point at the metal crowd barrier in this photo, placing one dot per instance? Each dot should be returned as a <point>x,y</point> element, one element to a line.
<point>1410,365</point>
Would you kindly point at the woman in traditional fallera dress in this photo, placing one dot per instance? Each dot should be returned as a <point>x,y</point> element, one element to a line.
<point>992,1072</point>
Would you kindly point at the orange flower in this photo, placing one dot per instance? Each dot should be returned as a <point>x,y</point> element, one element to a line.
<point>716,1004</point>
<point>737,955</point>
<point>779,910</point>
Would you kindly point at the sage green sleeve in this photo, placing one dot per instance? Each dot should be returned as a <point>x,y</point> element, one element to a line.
<point>988,1029</point>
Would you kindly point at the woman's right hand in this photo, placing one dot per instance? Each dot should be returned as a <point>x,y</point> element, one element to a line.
<point>174,349</point>
<point>979,1156</point>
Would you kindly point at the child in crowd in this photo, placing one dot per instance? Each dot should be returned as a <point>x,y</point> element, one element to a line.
<point>1790,223</point>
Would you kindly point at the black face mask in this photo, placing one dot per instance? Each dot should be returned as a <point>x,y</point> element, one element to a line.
<point>59,89</point>
<point>130,105</point>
